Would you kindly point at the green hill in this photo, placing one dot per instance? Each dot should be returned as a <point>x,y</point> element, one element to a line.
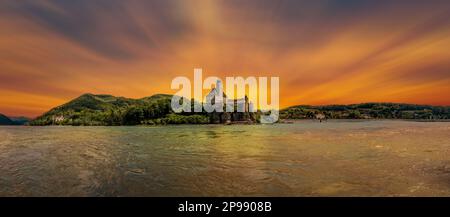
<point>156,97</point>
<point>368,111</point>
<point>5,120</point>
<point>107,110</point>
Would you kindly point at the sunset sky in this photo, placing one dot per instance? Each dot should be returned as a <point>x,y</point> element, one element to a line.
<point>325,52</point>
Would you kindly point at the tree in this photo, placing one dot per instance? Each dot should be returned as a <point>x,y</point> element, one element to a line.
<point>133,116</point>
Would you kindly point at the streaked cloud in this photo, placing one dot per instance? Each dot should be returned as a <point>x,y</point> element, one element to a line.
<point>325,52</point>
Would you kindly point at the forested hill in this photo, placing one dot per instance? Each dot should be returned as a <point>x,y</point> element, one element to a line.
<point>107,110</point>
<point>5,120</point>
<point>368,111</point>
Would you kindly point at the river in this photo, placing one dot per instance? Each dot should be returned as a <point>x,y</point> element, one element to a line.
<point>306,158</point>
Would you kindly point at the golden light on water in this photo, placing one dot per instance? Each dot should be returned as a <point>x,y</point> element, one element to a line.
<point>330,52</point>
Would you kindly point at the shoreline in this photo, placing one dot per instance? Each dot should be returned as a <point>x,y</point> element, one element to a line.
<point>283,121</point>
<point>370,119</point>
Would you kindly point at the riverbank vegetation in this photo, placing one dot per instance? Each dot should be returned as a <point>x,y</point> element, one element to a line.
<point>107,110</point>
<point>368,111</point>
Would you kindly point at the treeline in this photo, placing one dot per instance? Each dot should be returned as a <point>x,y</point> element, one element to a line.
<point>368,111</point>
<point>105,110</point>
<point>160,112</point>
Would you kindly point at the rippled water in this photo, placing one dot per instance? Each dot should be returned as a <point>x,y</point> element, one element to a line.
<point>337,158</point>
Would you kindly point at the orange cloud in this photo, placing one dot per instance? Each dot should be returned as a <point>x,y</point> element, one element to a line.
<point>325,52</point>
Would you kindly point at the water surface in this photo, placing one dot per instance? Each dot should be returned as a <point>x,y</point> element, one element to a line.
<point>337,158</point>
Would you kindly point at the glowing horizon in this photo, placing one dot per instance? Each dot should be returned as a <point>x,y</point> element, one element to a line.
<point>325,52</point>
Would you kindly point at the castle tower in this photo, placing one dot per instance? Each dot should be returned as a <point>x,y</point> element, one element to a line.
<point>219,86</point>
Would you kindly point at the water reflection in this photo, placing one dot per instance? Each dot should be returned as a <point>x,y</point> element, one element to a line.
<point>302,159</point>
